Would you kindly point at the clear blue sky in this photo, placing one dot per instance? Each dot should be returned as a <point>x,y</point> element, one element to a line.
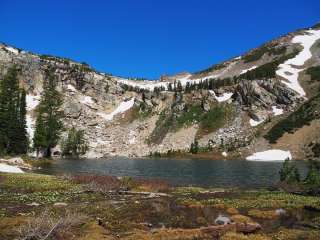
<point>146,38</point>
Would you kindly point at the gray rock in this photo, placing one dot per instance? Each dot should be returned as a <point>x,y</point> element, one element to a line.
<point>222,220</point>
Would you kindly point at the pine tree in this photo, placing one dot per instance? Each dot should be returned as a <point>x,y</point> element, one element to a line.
<point>13,136</point>
<point>21,145</point>
<point>48,124</point>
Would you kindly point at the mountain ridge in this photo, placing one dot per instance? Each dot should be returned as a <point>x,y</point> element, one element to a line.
<point>223,108</point>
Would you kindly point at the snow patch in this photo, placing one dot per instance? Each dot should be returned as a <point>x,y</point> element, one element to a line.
<point>9,169</point>
<point>30,126</point>
<point>249,69</point>
<point>277,111</point>
<point>255,123</point>
<point>87,100</point>
<point>32,101</point>
<point>287,69</point>
<point>270,155</point>
<point>224,97</point>
<point>71,88</point>
<point>123,107</point>
<point>13,50</point>
<point>132,137</point>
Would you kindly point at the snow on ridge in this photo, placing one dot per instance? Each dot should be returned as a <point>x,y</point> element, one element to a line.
<point>12,50</point>
<point>9,169</point>
<point>123,107</point>
<point>277,111</point>
<point>287,69</point>
<point>249,69</point>
<point>150,85</point>
<point>270,155</point>
<point>225,96</point>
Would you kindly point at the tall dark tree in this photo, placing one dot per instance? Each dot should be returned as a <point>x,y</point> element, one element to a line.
<point>21,145</point>
<point>49,121</point>
<point>13,136</point>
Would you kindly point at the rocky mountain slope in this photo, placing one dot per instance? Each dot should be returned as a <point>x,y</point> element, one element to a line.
<point>233,108</point>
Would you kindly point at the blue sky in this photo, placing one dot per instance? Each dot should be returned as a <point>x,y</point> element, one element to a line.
<point>145,38</point>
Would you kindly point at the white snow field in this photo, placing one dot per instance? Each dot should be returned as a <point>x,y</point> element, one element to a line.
<point>224,97</point>
<point>270,155</point>
<point>9,169</point>
<point>71,88</point>
<point>277,111</point>
<point>123,107</point>
<point>254,123</point>
<point>288,70</point>
<point>32,101</point>
<point>13,50</point>
<point>249,69</point>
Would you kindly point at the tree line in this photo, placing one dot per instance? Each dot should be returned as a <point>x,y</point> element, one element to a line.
<point>49,125</point>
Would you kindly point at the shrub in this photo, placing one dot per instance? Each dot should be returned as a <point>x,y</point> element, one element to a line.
<point>267,70</point>
<point>194,148</point>
<point>74,144</point>
<point>303,116</point>
<point>314,73</point>
<point>313,176</point>
<point>289,173</point>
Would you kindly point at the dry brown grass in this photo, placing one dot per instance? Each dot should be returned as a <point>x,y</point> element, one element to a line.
<point>270,214</point>
<point>49,226</point>
<point>240,236</point>
<point>152,185</point>
<point>241,219</point>
<point>98,183</point>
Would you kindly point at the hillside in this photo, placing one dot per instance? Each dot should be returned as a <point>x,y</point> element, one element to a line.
<point>231,109</point>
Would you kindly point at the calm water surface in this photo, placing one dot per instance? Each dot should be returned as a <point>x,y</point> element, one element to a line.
<point>215,173</point>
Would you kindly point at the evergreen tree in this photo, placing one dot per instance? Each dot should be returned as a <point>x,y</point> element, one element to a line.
<point>194,148</point>
<point>13,136</point>
<point>48,124</point>
<point>289,173</point>
<point>75,144</point>
<point>313,176</point>
<point>22,142</point>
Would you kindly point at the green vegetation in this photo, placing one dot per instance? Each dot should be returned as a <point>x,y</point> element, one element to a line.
<point>316,25</point>
<point>289,173</point>
<point>267,70</point>
<point>56,59</point>
<point>49,120</point>
<point>163,126</point>
<point>306,113</point>
<point>209,121</point>
<point>314,73</point>
<point>82,207</point>
<point>194,148</point>
<point>269,48</point>
<point>75,144</point>
<point>212,68</point>
<point>13,135</point>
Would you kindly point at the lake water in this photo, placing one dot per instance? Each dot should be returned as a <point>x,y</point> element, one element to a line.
<point>215,173</point>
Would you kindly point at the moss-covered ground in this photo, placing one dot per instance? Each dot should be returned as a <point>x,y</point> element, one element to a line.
<point>103,207</point>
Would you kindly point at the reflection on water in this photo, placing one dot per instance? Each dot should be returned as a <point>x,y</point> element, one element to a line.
<point>218,173</point>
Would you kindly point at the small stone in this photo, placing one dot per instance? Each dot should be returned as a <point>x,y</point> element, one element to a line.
<point>33,204</point>
<point>60,204</point>
<point>280,211</point>
<point>222,220</point>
